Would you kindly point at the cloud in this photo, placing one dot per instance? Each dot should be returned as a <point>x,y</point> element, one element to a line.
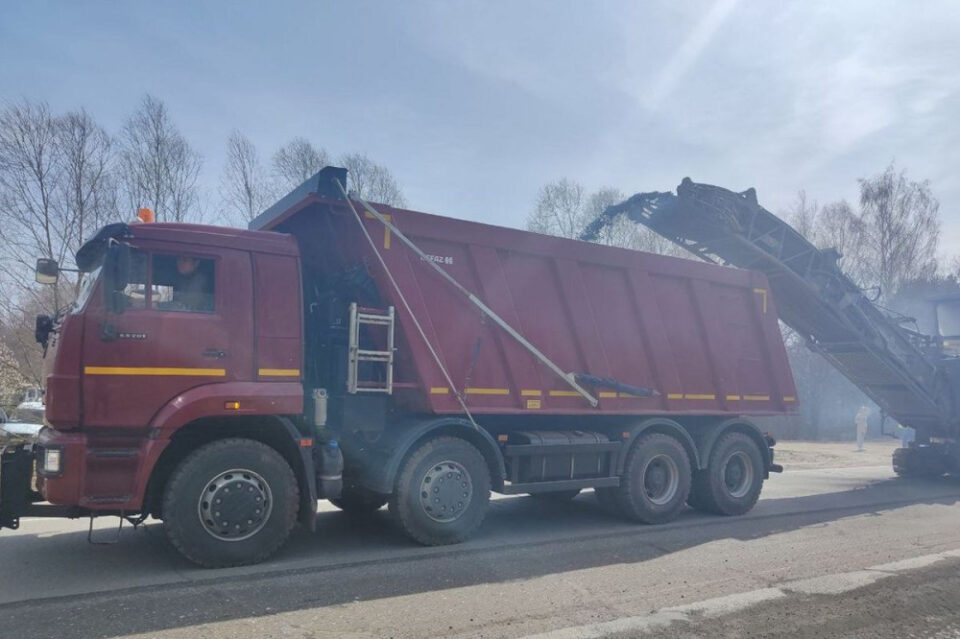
<point>687,54</point>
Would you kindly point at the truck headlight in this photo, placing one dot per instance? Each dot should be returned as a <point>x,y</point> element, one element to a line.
<point>51,461</point>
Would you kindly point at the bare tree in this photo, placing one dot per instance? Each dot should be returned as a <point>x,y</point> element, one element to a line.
<point>560,209</point>
<point>31,171</point>
<point>296,161</point>
<point>891,244</point>
<point>901,229</point>
<point>17,318</point>
<point>243,187</point>
<point>12,380</point>
<point>55,190</point>
<point>371,181</point>
<point>804,216</point>
<point>564,209</point>
<point>87,190</point>
<point>158,167</point>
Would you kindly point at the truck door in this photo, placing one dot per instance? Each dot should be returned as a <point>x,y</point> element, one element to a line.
<point>187,322</point>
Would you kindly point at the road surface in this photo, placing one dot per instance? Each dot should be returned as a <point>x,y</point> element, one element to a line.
<point>534,567</point>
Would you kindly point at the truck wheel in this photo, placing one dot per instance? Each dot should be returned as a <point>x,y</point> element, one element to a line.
<point>230,503</point>
<point>557,495</point>
<point>656,480</point>
<point>908,463</point>
<point>442,492</point>
<point>358,500</point>
<point>731,483</point>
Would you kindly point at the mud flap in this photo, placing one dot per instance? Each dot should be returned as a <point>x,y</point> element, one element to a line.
<point>16,471</point>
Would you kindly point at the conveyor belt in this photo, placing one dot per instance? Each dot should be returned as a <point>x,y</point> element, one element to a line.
<point>813,295</point>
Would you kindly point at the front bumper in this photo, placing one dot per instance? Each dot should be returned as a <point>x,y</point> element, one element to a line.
<point>25,481</point>
<point>16,483</point>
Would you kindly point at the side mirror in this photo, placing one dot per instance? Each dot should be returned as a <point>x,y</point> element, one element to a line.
<point>47,271</point>
<point>116,276</point>
<point>43,326</point>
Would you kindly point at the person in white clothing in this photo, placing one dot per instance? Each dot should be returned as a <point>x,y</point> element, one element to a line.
<point>861,421</point>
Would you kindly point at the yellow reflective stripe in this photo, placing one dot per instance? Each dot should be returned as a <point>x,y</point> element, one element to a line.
<point>763,292</point>
<point>439,390</point>
<point>698,396</point>
<point>487,391</point>
<point>559,393</point>
<point>733,398</point>
<point>386,229</point>
<point>789,398</point>
<point>151,370</point>
<point>757,398</point>
<point>530,393</point>
<point>279,372</point>
<point>607,394</point>
<point>674,395</point>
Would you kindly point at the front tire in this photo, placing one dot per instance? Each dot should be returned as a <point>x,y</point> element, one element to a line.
<point>442,492</point>
<point>656,480</point>
<point>731,483</point>
<point>230,503</point>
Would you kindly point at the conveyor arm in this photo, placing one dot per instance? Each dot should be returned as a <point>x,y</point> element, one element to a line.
<point>814,297</point>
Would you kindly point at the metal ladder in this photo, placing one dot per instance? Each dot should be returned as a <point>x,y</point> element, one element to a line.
<point>369,317</point>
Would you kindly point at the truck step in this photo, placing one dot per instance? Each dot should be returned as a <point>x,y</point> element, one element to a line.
<point>565,484</point>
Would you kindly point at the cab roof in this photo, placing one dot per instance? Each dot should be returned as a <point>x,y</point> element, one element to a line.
<point>196,234</point>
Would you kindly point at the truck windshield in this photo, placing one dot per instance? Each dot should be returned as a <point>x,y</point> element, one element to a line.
<point>86,288</point>
<point>948,318</point>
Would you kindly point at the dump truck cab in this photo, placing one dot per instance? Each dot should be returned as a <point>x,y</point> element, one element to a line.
<point>179,332</point>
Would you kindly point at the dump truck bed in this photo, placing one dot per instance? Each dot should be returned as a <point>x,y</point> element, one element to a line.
<point>704,337</point>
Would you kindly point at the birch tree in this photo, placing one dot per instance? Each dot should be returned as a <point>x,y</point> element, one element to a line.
<point>296,161</point>
<point>244,189</point>
<point>564,208</point>
<point>371,181</point>
<point>900,229</point>
<point>158,167</point>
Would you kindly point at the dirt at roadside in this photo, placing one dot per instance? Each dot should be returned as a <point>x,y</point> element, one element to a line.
<point>922,603</point>
<point>799,455</point>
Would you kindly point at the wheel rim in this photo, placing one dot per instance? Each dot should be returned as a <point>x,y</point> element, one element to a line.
<point>738,474</point>
<point>445,491</point>
<point>235,505</point>
<point>661,479</point>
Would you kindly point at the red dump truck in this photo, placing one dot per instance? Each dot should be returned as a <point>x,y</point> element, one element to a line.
<point>225,380</point>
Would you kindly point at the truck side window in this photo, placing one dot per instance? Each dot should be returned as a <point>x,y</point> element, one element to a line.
<point>135,292</point>
<point>182,283</point>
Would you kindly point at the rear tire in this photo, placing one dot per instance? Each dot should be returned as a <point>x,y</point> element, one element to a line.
<point>230,503</point>
<point>656,480</point>
<point>733,479</point>
<point>908,463</point>
<point>359,501</point>
<point>442,492</point>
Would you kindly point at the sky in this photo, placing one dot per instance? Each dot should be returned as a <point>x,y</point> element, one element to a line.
<point>475,105</point>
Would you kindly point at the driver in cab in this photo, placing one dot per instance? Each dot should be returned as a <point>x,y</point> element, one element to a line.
<point>192,287</point>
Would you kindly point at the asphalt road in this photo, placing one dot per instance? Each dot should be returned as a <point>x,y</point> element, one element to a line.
<point>534,567</point>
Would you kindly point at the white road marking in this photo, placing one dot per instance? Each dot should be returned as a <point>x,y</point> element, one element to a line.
<point>717,606</point>
<point>835,584</point>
